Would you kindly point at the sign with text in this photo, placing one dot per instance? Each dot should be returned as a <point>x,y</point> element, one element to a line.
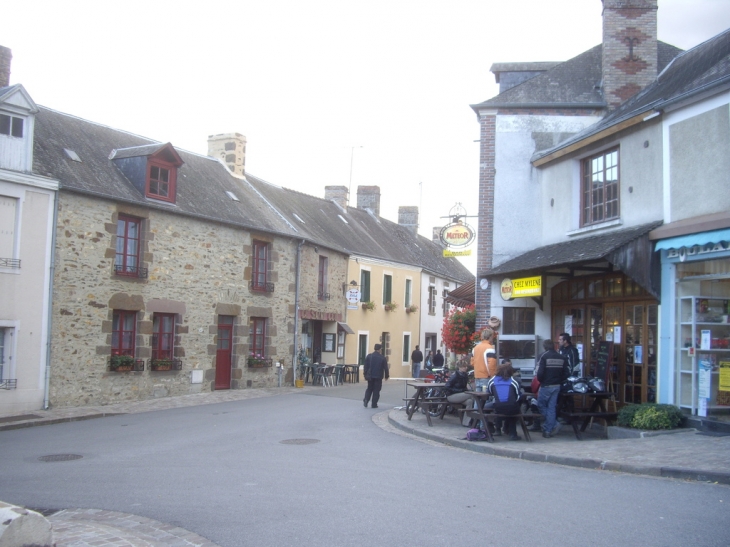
<point>526,287</point>
<point>448,253</point>
<point>458,234</point>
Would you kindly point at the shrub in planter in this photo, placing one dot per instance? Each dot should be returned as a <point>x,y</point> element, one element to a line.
<point>650,416</point>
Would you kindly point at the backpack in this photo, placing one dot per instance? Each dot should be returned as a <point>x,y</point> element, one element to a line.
<point>476,435</point>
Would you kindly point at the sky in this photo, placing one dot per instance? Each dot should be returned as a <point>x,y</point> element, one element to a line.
<point>327,92</point>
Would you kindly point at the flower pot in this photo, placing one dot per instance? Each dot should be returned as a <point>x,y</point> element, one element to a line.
<point>299,383</point>
<point>123,368</point>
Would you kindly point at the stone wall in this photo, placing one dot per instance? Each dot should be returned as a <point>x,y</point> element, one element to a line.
<point>196,270</point>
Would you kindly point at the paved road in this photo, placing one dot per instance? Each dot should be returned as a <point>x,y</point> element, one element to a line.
<point>311,468</point>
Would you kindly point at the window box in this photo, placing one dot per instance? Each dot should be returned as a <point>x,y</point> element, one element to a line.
<point>390,306</point>
<point>261,287</point>
<point>412,309</point>
<point>130,271</point>
<point>368,306</point>
<point>165,364</point>
<point>260,362</point>
<point>125,363</point>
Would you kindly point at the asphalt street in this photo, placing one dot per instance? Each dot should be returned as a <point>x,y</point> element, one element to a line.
<point>312,468</point>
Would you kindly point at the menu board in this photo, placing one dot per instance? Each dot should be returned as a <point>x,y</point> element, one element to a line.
<point>603,360</point>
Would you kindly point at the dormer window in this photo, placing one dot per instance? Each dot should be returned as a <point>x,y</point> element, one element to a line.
<point>11,126</point>
<point>161,181</point>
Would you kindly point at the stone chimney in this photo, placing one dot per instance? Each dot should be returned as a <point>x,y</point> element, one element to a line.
<point>408,218</point>
<point>368,197</point>
<point>629,48</point>
<point>338,194</point>
<point>231,148</point>
<point>436,235</point>
<point>5,57</point>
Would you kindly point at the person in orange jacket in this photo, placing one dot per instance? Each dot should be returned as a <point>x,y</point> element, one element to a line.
<point>485,359</point>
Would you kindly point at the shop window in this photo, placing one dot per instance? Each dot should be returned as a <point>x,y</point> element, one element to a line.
<point>577,290</point>
<point>364,286</point>
<point>518,321</point>
<point>614,286</point>
<point>600,188</point>
<point>322,293</point>
<point>124,332</point>
<point>595,288</point>
<point>340,344</point>
<point>127,259</point>
<point>163,336</point>
<point>387,288</point>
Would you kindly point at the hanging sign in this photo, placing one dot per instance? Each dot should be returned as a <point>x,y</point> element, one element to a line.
<point>458,234</point>
<point>448,253</point>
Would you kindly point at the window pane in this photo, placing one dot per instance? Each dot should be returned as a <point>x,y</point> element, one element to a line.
<point>364,286</point>
<point>18,127</point>
<point>4,124</point>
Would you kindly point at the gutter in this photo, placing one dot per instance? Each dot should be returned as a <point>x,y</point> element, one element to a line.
<point>294,363</point>
<point>51,273</point>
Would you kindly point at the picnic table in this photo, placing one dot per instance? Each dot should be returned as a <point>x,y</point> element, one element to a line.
<point>421,399</point>
<point>596,411</point>
<point>487,416</point>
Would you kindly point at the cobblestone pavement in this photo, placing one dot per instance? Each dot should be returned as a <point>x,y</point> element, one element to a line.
<point>684,453</point>
<point>95,528</point>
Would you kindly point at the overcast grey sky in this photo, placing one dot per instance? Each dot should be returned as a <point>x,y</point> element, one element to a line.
<point>308,80</point>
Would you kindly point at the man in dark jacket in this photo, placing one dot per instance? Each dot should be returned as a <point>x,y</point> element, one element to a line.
<point>375,368</point>
<point>570,352</point>
<point>455,389</point>
<point>438,359</point>
<point>417,359</point>
<point>552,371</point>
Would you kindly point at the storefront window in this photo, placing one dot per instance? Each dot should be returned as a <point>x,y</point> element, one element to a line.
<point>577,290</point>
<point>595,288</point>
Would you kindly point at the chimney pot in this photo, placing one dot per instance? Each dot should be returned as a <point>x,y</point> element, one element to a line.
<point>368,197</point>
<point>408,218</point>
<point>338,194</point>
<point>231,148</point>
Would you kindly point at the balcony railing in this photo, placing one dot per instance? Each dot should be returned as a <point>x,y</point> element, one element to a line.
<point>261,287</point>
<point>125,363</point>
<point>8,384</point>
<point>165,364</point>
<point>10,263</point>
<point>130,271</point>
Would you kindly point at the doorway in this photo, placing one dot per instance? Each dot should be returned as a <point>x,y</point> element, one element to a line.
<point>224,352</point>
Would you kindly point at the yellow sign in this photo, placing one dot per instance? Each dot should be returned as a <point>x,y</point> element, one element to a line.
<point>525,287</point>
<point>448,253</point>
<point>724,376</point>
<point>458,234</point>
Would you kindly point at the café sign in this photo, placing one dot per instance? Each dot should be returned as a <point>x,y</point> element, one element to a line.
<point>458,234</point>
<point>525,287</point>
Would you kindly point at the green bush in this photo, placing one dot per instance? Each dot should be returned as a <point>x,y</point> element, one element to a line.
<point>650,416</point>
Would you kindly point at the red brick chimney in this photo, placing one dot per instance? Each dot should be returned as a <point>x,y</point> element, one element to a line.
<point>5,57</point>
<point>629,48</point>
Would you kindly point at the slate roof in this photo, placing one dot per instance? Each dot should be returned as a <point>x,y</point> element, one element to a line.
<point>576,83</point>
<point>202,183</point>
<point>574,252</point>
<point>692,72</point>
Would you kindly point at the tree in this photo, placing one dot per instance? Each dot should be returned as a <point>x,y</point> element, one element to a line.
<point>458,332</point>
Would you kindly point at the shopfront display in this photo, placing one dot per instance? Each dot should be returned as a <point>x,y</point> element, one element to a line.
<point>611,308</point>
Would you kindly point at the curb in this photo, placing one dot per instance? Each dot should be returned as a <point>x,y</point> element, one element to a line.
<point>569,461</point>
<point>51,421</point>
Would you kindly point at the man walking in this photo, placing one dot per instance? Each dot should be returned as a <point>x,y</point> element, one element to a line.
<point>552,371</point>
<point>417,358</point>
<point>375,368</point>
<point>570,352</point>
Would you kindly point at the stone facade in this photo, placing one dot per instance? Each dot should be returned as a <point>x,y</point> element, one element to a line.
<point>196,270</point>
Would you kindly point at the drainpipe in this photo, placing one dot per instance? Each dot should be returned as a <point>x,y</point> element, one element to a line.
<point>294,363</point>
<point>51,273</point>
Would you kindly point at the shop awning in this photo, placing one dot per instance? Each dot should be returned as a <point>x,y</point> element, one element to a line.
<point>690,240</point>
<point>628,250</point>
<point>345,327</point>
<point>463,295</point>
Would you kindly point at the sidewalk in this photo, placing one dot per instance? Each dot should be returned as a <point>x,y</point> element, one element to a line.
<point>680,454</point>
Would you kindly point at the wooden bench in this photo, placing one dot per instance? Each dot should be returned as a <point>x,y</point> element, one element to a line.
<point>426,403</point>
<point>491,417</point>
<point>574,418</point>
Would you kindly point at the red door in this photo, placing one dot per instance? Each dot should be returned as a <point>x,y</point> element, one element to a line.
<point>223,352</point>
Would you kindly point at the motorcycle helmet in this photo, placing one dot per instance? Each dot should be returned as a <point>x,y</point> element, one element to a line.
<point>533,406</point>
<point>597,384</point>
<point>567,386</point>
<point>581,386</point>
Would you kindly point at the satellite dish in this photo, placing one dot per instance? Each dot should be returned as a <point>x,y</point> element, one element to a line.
<point>484,283</point>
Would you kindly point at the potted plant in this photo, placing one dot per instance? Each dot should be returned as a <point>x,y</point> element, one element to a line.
<point>121,363</point>
<point>162,364</point>
<point>258,361</point>
<point>390,306</point>
<point>368,306</point>
<point>412,308</point>
<point>303,363</point>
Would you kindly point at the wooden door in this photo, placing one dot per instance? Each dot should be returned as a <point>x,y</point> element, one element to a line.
<point>224,351</point>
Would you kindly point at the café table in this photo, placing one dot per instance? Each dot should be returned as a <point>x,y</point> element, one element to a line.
<point>421,396</point>
<point>596,411</point>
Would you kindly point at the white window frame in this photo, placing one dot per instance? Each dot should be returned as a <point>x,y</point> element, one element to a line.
<point>9,348</point>
<point>12,191</point>
<point>406,347</point>
<point>408,292</point>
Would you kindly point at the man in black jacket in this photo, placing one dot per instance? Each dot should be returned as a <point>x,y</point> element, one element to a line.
<point>570,352</point>
<point>438,359</point>
<point>417,359</point>
<point>375,368</point>
<point>552,371</point>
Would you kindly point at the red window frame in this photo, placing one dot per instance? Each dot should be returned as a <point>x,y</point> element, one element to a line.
<point>124,332</point>
<point>161,180</point>
<point>163,335</point>
<point>600,188</point>
<point>260,265</point>
<point>258,337</point>
<point>322,280</point>
<point>129,242</point>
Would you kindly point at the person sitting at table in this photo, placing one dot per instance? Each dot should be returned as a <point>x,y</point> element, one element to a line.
<point>506,392</point>
<point>456,388</point>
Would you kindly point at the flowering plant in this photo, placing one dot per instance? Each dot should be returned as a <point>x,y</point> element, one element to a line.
<point>258,360</point>
<point>458,331</point>
<point>390,306</point>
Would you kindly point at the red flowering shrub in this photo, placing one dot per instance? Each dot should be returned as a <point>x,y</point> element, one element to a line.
<point>458,332</point>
